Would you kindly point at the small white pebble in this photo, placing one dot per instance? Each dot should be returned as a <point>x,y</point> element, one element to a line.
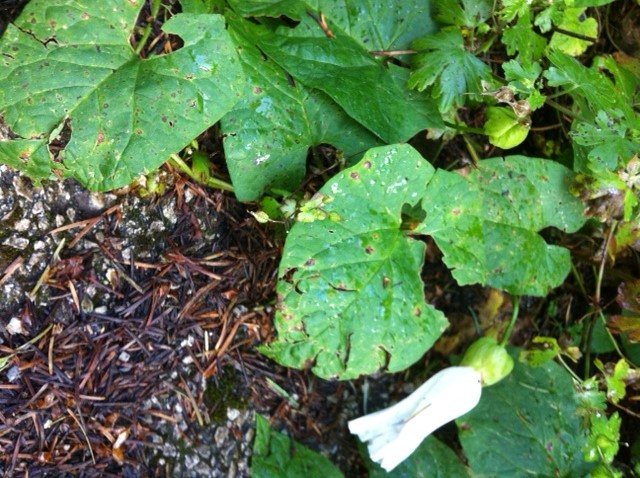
<point>15,327</point>
<point>13,374</point>
<point>232,413</point>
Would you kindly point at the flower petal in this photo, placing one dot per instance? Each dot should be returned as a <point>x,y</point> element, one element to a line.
<point>395,432</point>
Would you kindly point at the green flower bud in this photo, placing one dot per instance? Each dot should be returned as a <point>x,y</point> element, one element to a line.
<point>490,359</point>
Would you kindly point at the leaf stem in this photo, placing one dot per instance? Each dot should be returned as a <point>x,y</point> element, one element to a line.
<point>210,181</point>
<point>569,33</point>
<point>512,322</point>
<point>561,108</point>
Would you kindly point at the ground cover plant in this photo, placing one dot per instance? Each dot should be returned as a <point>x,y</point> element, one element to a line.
<point>503,135</point>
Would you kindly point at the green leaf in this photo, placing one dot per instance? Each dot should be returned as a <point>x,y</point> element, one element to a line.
<point>268,133</point>
<point>504,129</point>
<point>202,6</point>
<point>526,425</point>
<point>514,8</point>
<point>572,22</point>
<point>486,234</point>
<point>448,68</point>
<point>603,442</point>
<point>523,78</point>
<point>615,379</point>
<point>351,299</point>
<point>277,456</point>
<point>374,24</point>
<point>293,9</point>
<point>462,13</point>
<point>373,94</point>
<point>609,140</point>
<point>115,105</point>
<point>432,459</point>
<point>523,40</point>
<point>591,90</point>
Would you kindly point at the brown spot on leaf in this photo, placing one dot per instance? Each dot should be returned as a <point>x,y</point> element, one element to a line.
<point>417,312</point>
<point>354,175</point>
<point>385,282</point>
<point>100,138</point>
<point>369,249</point>
<point>366,165</point>
<point>310,262</point>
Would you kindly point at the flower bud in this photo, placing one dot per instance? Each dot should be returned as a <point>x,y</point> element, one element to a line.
<point>490,359</point>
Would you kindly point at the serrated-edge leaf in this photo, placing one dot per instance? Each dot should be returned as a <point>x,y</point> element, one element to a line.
<point>448,68</point>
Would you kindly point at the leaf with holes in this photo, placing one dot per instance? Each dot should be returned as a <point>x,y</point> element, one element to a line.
<point>486,222</point>
<point>68,69</point>
<point>350,296</point>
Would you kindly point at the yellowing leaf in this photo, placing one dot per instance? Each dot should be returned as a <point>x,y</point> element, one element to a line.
<point>573,21</point>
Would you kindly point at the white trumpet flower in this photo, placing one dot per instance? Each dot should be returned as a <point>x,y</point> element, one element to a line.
<point>394,433</point>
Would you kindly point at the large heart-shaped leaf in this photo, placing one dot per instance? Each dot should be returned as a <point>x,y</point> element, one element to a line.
<point>69,62</point>
<point>486,222</point>
<point>350,296</point>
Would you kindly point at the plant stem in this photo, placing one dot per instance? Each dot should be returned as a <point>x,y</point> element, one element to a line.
<point>464,128</point>
<point>472,151</point>
<point>614,342</point>
<point>512,322</point>
<point>596,300</point>
<point>155,8</point>
<point>579,281</point>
